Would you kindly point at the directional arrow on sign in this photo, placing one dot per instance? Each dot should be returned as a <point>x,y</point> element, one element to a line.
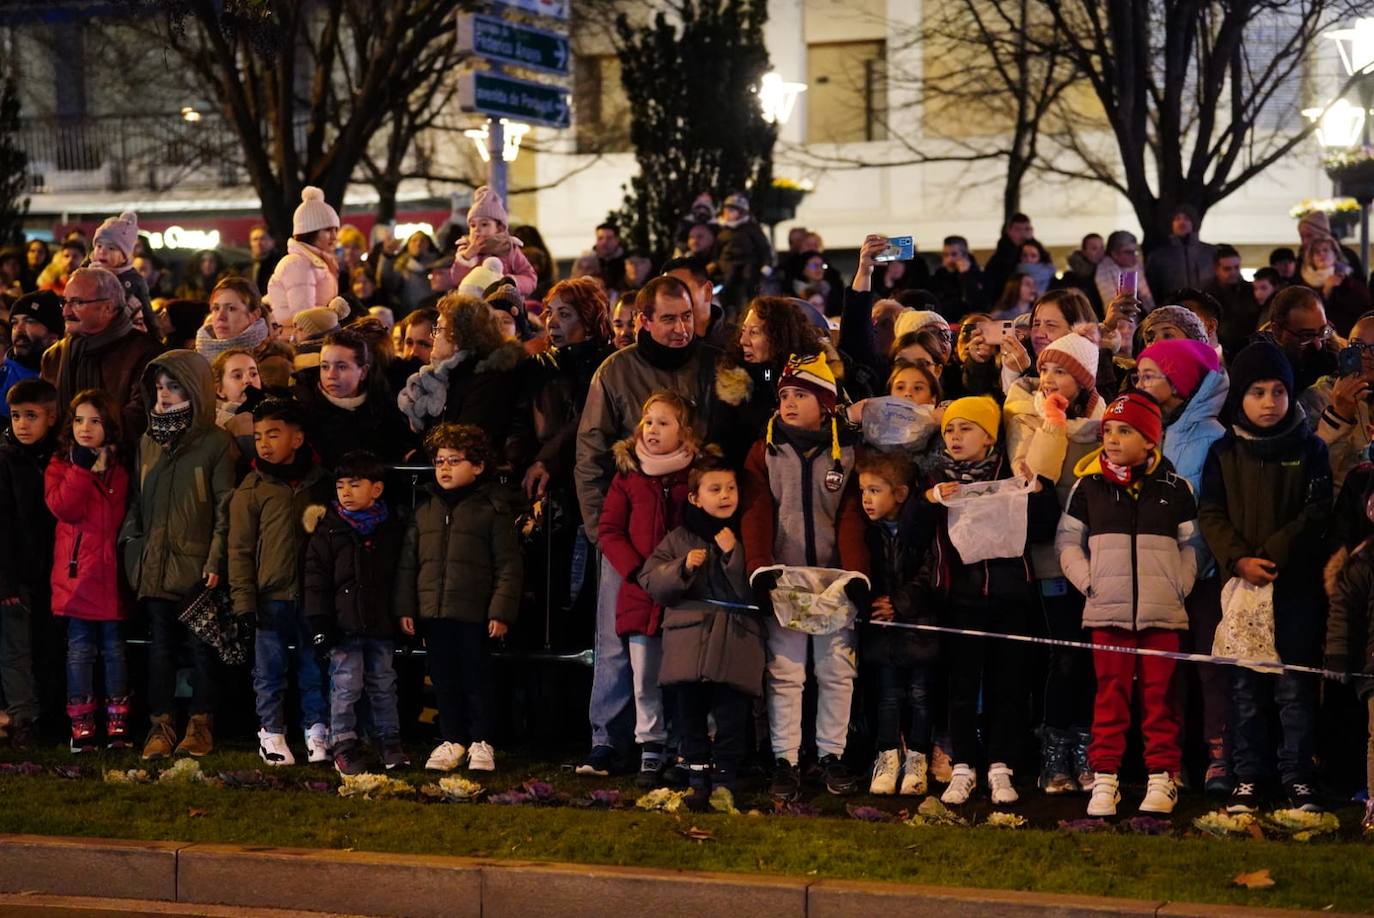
<point>507,43</point>
<point>501,96</point>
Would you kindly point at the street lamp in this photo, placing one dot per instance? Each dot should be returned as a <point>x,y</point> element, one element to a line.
<point>511,134</point>
<point>778,97</point>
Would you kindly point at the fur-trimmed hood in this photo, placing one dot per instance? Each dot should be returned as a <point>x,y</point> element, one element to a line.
<point>733,385</point>
<point>502,359</point>
<point>1331,574</point>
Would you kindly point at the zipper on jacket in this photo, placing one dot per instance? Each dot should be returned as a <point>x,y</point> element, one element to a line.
<point>808,509</point>
<point>443,568</point>
<point>1135,566</point>
<point>76,549</point>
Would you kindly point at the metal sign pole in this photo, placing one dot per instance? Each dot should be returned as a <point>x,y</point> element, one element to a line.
<point>496,160</point>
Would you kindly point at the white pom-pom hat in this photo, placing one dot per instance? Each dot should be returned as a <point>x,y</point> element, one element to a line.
<point>313,213</point>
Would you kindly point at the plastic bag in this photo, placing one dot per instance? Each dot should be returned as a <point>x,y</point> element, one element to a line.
<point>1246,631</point>
<point>987,519</point>
<point>890,421</point>
<point>812,599</point>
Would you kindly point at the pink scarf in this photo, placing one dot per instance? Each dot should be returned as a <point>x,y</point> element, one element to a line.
<point>655,465</point>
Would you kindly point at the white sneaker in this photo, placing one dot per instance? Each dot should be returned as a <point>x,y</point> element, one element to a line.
<point>915,775</point>
<point>481,757</point>
<point>1106,794</point>
<point>1161,795</point>
<point>999,782</point>
<point>885,769</point>
<point>446,757</point>
<point>317,744</point>
<point>273,749</point>
<point>962,781</point>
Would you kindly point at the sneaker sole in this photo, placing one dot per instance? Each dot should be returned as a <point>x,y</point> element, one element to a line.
<point>1242,810</point>
<point>588,771</point>
<point>1158,811</point>
<point>472,767</point>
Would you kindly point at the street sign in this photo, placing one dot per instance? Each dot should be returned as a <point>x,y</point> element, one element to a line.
<point>501,96</point>
<point>554,9</point>
<point>508,43</point>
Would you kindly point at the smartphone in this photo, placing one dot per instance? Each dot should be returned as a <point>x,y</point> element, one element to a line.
<point>1129,284</point>
<point>899,248</point>
<point>1350,362</point>
<point>994,331</point>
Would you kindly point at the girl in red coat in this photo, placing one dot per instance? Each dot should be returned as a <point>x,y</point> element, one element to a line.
<point>85,488</point>
<point>643,505</point>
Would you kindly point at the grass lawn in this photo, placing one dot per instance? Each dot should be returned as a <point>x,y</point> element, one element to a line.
<point>1183,866</point>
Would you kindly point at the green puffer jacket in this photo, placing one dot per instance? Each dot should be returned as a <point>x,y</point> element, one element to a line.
<point>177,528</point>
<point>267,535</point>
<point>461,559</point>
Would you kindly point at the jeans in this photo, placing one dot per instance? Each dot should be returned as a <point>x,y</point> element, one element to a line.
<point>646,656</point>
<point>1204,614</point>
<point>1252,696</point>
<point>913,685</point>
<point>357,665</point>
<point>1161,728</point>
<point>730,709</point>
<point>835,670</point>
<point>85,641</point>
<point>16,661</point>
<point>281,624</point>
<point>169,637</point>
<point>457,654</point>
<point>990,668</point>
<point>612,684</point>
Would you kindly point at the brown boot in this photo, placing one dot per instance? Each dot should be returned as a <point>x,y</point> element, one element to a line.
<point>198,741</point>
<point>161,738</point>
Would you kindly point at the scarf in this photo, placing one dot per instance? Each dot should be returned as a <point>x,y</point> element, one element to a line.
<point>658,465</point>
<point>426,392</point>
<point>166,426</point>
<point>702,524</point>
<point>661,356</point>
<point>364,521</point>
<point>290,472</point>
<point>352,403</point>
<point>1316,278</point>
<point>250,339</point>
<point>966,471</point>
<point>1127,476</point>
<point>452,497</point>
<point>80,366</point>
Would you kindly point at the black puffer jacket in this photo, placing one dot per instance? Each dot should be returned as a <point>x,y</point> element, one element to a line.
<point>376,425</point>
<point>895,556</point>
<point>348,576</point>
<point>26,536</point>
<point>1349,623</point>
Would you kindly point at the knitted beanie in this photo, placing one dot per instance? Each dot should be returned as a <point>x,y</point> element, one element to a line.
<point>1315,220</point>
<point>1187,321</point>
<point>911,320</point>
<point>1184,363</point>
<point>488,272</point>
<point>120,232</point>
<point>738,201</point>
<point>313,213</point>
<point>977,409</point>
<point>320,321</point>
<point>1075,354</point>
<point>1258,362</point>
<point>812,374</point>
<point>1139,412</point>
<point>487,203</point>
<point>43,306</point>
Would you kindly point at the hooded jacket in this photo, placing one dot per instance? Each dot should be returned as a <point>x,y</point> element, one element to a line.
<point>1350,621</point>
<point>177,528</point>
<point>347,581</point>
<point>1188,436</point>
<point>481,391</point>
<point>89,507</point>
<point>1132,551</point>
<point>304,279</point>
<point>26,538</point>
<point>554,383</point>
<point>639,511</point>
<point>267,535</point>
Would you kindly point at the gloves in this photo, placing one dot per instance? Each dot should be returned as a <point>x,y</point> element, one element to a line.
<point>1056,410</point>
<point>763,585</point>
<point>1338,665</point>
<point>859,594</point>
<point>252,396</point>
<point>323,636</point>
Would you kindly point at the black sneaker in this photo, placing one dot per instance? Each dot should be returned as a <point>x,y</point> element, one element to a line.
<point>600,762</point>
<point>1245,798</point>
<point>652,761</point>
<point>1303,796</point>
<point>837,778</point>
<point>786,784</point>
<point>21,737</point>
<point>394,755</point>
<point>348,759</point>
<point>676,775</point>
<point>699,784</point>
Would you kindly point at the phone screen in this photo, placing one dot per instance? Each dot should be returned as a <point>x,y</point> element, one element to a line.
<point>1129,283</point>
<point>899,248</point>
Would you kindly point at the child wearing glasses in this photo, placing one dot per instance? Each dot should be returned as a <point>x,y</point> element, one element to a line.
<point>458,584</point>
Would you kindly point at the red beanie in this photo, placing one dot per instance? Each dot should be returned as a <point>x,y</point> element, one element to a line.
<point>1139,411</point>
<point>1185,362</point>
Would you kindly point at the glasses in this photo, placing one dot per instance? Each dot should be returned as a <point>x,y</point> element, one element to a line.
<point>451,461</point>
<point>77,303</point>
<point>1308,337</point>
<point>1139,379</point>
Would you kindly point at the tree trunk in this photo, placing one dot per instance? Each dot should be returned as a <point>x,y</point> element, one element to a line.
<point>386,199</point>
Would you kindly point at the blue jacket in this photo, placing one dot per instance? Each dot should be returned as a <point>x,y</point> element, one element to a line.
<point>1188,438</point>
<point>11,371</point>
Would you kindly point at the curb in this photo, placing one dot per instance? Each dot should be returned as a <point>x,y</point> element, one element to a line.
<point>372,883</point>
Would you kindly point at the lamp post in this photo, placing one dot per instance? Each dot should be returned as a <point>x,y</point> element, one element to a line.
<point>498,143</point>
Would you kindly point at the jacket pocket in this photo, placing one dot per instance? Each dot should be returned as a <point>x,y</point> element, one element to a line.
<point>76,552</point>
<point>202,487</point>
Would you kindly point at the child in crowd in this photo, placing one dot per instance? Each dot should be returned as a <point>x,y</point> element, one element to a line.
<point>348,607</point>
<point>1128,541</point>
<point>995,595</point>
<point>238,388</point>
<point>1350,638</point>
<point>113,249</point>
<point>26,551</point>
<point>85,487</point>
<point>713,654</point>
<point>643,504</point>
<point>1266,500</point>
<point>459,582</point>
<point>903,659</point>
<point>489,235</point>
<point>1053,422</point>
<point>266,546</point>
<point>801,508</point>
<point>175,540</point>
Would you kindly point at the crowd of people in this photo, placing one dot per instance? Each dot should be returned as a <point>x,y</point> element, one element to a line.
<point>809,510</point>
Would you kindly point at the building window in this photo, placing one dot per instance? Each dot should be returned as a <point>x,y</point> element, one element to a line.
<point>602,121</point>
<point>846,96</point>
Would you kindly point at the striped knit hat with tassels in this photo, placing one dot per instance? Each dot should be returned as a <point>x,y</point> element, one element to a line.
<point>811,373</point>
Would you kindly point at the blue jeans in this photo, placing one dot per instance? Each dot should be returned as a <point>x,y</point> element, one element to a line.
<point>282,624</point>
<point>913,686</point>
<point>1252,697</point>
<point>85,641</point>
<point>357,665</point>
<point>612,706</point>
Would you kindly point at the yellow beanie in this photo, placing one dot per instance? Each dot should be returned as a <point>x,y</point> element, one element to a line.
<point>980,409</point>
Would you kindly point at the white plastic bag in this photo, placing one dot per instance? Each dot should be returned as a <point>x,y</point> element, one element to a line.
<point>1246,631</point>
<point>987,519</point>
<point>890,421</point>
<point>812,599</point>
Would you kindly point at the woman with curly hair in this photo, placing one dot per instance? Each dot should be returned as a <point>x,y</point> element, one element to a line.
<point>747,378</point>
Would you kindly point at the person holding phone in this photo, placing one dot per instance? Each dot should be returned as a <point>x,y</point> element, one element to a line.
<point>1340,403</point>
<point>1123,254</point>
<point>1344,292</point>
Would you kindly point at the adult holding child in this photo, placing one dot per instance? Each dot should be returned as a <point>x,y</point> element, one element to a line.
<point>309,274</point>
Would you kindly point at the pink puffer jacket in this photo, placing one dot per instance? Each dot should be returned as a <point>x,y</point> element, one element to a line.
<point>304,279</point>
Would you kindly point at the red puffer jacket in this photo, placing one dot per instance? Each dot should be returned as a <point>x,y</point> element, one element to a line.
<point>89,508</point>
<point>639,511</point>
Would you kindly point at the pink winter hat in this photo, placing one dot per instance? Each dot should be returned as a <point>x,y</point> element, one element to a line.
<point>120,232</point>
<point>1185,362</point>
<point>487,203</point>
